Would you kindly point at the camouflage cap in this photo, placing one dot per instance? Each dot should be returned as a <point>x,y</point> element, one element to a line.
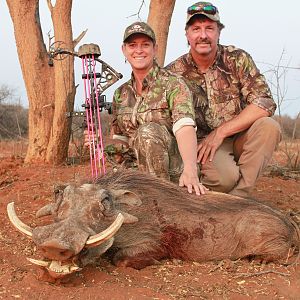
<point>203,8</point>
<point>139,27</point>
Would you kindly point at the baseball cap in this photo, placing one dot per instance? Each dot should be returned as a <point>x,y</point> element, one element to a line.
<point>203,8</point>
<point>139,27</point>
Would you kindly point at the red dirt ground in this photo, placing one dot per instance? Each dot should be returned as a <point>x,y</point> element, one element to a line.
<point>31,187</point>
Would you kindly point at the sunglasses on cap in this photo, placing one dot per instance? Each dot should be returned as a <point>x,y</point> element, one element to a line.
<point>207,9</point>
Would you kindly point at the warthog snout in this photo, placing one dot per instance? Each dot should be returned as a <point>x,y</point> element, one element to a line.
<point>55,250</point>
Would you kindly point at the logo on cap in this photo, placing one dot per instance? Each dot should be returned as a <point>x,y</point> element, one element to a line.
<point>139,27</point>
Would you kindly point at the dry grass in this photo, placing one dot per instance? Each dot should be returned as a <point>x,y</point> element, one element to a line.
<point>288,155</point>
<point>16,148</point>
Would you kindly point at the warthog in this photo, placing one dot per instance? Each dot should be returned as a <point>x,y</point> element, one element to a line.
<point>138,220</point>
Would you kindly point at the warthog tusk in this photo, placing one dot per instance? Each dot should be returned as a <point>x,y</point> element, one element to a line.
<point>55,268</point>
<point>41,263</point>
<point>16,221</point>
<point>108,233</point>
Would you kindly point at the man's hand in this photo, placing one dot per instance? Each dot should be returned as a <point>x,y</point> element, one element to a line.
<point>209,145</point>
<point>190,179</point>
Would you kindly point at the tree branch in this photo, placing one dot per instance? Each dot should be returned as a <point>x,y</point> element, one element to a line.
<point>79,38</point>
<point>138,13</point>
<point>50,6</point>
<point>261,273</point>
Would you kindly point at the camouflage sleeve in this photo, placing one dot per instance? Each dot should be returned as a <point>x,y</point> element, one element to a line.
<point>180,101</point>
<point>115,128</point>
<point>254,89</point>
<point>171,67</point>
<point>177,66</point>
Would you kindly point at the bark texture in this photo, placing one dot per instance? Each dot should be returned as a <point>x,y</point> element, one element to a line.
<point>64,92</point>
<point>159,18</point>
<point>49,89</point>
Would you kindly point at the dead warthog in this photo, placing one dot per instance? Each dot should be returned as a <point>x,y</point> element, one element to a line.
<point>138,220</point>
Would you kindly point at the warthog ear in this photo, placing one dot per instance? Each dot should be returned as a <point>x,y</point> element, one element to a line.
<point>52,208</point>
<point>46,210</point>
<point>58,190</point>
<point>126,197</point>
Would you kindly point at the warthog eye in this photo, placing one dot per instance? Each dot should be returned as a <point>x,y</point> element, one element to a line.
<point>106,201</point>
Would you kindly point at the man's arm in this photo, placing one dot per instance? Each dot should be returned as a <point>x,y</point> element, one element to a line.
<point>208,147</point>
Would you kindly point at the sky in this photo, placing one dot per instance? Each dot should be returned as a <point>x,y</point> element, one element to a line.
<point>268,30</point>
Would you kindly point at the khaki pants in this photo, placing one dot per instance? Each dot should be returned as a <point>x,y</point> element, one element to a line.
<point>240,160</point>
<point>235,168</point>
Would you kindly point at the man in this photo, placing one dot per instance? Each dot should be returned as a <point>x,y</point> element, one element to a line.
<point>233,105</point>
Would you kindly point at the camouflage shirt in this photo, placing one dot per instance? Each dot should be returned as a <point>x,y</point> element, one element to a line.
<point>228,86</point>
<point>165,99</point>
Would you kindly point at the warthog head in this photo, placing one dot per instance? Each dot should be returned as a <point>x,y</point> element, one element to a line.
<point>86,220</point>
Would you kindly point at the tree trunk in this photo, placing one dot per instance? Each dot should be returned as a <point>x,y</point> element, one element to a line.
<point>37,75</point>
<point>295,126</point>
<point>64,83</point>
<point>159,18</point>
<point>48,88</point>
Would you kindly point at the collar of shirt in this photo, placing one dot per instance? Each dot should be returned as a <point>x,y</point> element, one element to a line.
<point>217,62</point>
<point>149,79</point>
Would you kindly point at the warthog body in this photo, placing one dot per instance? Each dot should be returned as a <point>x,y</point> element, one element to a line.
<point>161,221</point>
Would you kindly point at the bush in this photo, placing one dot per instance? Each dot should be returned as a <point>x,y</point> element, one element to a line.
<point>13,121</point>
<point>290,126</point>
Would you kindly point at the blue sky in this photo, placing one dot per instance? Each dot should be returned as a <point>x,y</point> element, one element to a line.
<point>265,29</point>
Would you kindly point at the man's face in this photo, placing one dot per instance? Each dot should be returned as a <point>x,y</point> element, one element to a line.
<point>203,36</point>
<point>140,51</point>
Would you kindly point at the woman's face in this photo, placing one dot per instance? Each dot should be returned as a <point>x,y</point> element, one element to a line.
<point>139,51</point>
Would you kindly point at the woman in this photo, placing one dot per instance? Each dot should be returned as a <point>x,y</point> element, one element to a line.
<point>153,113</point>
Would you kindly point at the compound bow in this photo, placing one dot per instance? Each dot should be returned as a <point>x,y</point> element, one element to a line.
<point>97,76</point>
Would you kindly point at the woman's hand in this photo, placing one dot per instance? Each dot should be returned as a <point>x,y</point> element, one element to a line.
<point>190,179</point>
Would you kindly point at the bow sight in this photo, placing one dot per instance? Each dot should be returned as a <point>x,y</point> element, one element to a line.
<point>97,76</point>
